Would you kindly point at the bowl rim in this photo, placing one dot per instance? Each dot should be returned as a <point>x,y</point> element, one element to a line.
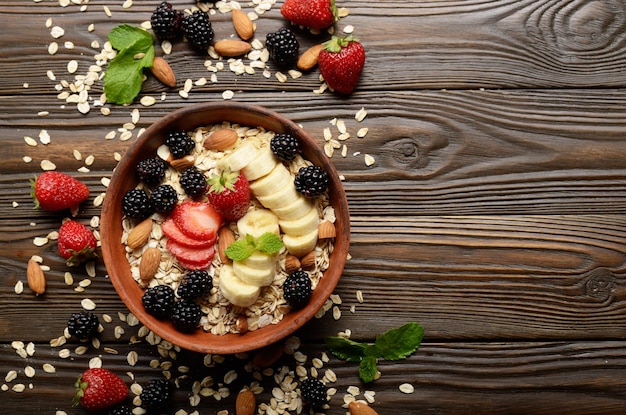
<point>119,271</point>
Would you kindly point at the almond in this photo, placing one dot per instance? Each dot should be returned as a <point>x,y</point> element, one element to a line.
<point>242,324</point>
<point>163,71</point>
<point>183,162</point>
<point>308,261</point>
<point>243,25</point>
<point>360,408</point>
<point>308,59</point>
<point>149,265</point>
<point>268,355</point>
<point>245,403</point>
<point>292,264</point>
<point>326,230</point>
<point>139,235</point>
<point>221,140</point>
<point>225,237</point>
<point>232,47</point>
<point>35,277</point>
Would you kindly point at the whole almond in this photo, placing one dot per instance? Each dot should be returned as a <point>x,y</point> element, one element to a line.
<point>35,277</point>
<point>268,355</point>
<point>139,235</point>
<point>163,71</point>
<point>225,237</point>
<point>242,324</point>
<point>292,264</point>
<point>232,47</point>
<point>326,230</point>
<point>307,262</point>
<point>243,25</point>
<point>308,59</point>
<point>245,403</point>
<point>149,265</point>
<point>221,140</point>
<point>360,408</point>
<point>183,162</point>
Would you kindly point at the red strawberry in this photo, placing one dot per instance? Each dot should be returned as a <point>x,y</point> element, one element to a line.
<point>98,389</point>
<point>229,194</point>
<point>341,63</point>
<point>76,242</point>
<point>174,233</point>
<point>54,190</point>
<point>315,14</point>
<point>197,220</point>
<point>191,258</point>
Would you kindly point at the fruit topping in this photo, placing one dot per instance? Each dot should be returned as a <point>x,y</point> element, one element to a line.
<point>173,232</point>
<point>186,315</point>
<point>297,289</point>
<point>193,183</point>
<point>136,204</point>
<point>195,284</point>
<point>285,146</point>
<point>164,199</point>
<point>229,194</point>
<point>311,181</point>
<point>179,143</point>
<point>194,258</point>
<point>158,301</point>
<point>151,171</point>
<point>197,220</point>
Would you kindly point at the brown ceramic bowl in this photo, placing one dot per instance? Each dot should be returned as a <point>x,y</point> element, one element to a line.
<point>118,268</point>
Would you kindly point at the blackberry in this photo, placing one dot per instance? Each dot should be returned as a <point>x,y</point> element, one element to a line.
<point>193,182</point>
<point>166,21</point>
<point>83,325</point>
<point>311,181</point>
<point>195,284</point>
<point>297,289</point>
<point>155,394</point>
<point>120,409</point>
<point>285,146</point>
<point>179,143</point>
<point>158,300</point>
<point>164,199</point>
<point>314,392</point>
<point>151,171</point>
<point>283,47</point>
<point>136,204</point>
<point>197,29</point>
<point>186,315</point>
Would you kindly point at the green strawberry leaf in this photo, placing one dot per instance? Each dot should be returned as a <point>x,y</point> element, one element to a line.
<point>346,349</point>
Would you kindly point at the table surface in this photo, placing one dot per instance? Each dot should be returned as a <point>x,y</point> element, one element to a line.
<point>494,213</point>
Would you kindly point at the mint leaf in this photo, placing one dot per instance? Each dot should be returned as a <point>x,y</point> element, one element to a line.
<point>269,243</point>
<point>346,349</point>
<point>239,250</point>
<point>399,343</point>
<point>368,369</point>
<point>125,36</point>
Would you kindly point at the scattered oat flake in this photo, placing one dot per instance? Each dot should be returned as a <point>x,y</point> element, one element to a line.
<point>56,32</point>
<point>19,287</point>
<point>48,368</point>
<point>88,304</point>
<point>362,132</point>
<point>406,388</point>
<point>47,165</point>
<point>228,94</point>
<point>30,141</point>
<point>369,160</point>
<point>44,137</point>
<point>107,11</point>
<point>95,363</point>
<point>360,115</point>
<point>348,29</point>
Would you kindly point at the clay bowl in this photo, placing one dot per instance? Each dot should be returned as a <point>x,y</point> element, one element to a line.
<point>123,179</point>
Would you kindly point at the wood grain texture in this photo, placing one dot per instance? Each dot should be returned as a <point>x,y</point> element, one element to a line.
<point>494,214</point>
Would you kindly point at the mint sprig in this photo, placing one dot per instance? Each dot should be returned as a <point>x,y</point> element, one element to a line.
<point>241,249</point>
<point>124,75</point>
<point>395,344</point>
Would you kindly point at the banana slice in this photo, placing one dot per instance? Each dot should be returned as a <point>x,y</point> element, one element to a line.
<point>300,245</point>
<point>255,272</point>
<point>235,290</point>
<point>262,164</point>
<point>272,182</point>
<point>239,158</point>
<point>257,222</point>
<point>301,225</point>
<point>280,198</point>
<point>295,209</point>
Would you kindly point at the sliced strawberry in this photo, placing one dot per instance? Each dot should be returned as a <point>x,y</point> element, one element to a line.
<point>174,233</point>
<point>194,265</point>
<point>197,220</point>
<point>191,256</point>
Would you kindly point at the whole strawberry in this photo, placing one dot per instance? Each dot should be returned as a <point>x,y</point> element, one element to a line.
<point>341,63</point>
<point>98,389</point>
<point>229,194</point>
<point>54,190</point>
<point>76,243</point>
<point>315,14</point>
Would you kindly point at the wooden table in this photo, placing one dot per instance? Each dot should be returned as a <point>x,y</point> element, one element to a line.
<point>494,213</point>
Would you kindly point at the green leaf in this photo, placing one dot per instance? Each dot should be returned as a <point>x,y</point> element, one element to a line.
<point>126,36</point>
<point>368,369</point>
<point>400,342</point>
<point>346,349</point>
<point>239,250</point>
<point>269,243</point>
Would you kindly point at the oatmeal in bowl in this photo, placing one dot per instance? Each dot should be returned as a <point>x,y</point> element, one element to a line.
<point>225,228</point>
